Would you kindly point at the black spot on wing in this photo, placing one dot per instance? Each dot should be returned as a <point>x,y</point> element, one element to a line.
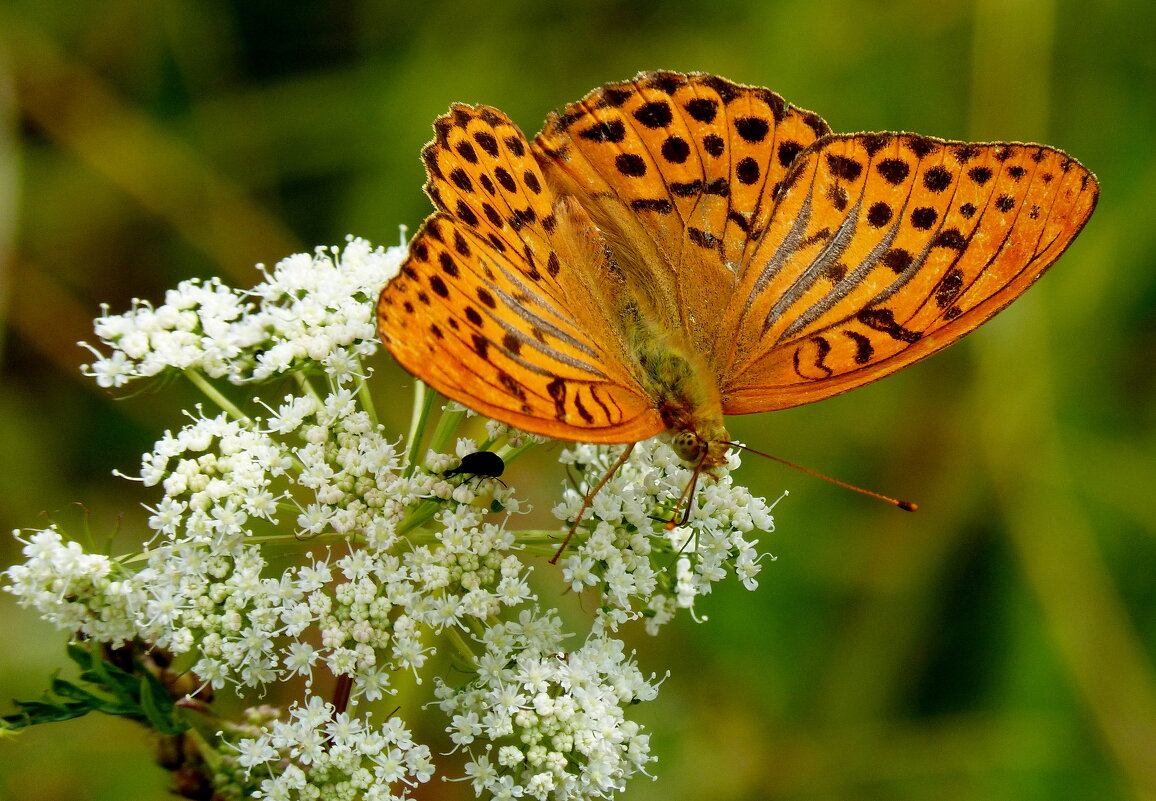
<point>556,389</point>
<point>675,150</point>
<point>787,152</point>
<point>897,259</point>
<point>949,288</point>
<point>660,205</point>
<point>924,217</point>
<point>461,180</point>
<point>516,146</point>
<point>894,171</point>
<point>981,175</point>
<point>747,171</point>
<point>654,115</point>
<point>878,215</point>
<point>937,179</point>
<point>752,129</point>
<point>950,238</point>
<point>702,109</point>
<point>883,320</point>
<point>863,349</point>
<point>921,145</point>
<point>844,167</point>
<point>838,196</point>
<point>630,164</point>
<point>704,239</point>
<point>612,131</point>
<point>713,145</point>
<point>487,142</point>
<point>875,142</point>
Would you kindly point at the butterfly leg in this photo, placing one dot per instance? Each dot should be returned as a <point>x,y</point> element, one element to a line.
<point>590,498</point>
<point>684,499</point>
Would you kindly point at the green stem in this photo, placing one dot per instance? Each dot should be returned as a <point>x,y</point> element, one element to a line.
<point>510,455</point>
<point>203,733</point>
<point>423,399</point>
<point>463,647</point>
<point>531,536</point>
<point>422,515</point>
<point>366,398</point>
<point>447,425</point>
<point>307,387</point>
<point>204,385</point>
<point>476,626</point>
<point>286,539</point>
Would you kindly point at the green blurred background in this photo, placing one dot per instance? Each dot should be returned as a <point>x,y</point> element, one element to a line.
<point>998,644</point>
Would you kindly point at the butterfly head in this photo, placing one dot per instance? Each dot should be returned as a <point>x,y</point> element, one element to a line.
<point>695,448</point>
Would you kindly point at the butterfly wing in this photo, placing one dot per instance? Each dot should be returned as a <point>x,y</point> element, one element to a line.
<point>501,303</point>
<point>884,248</point>
<point>679,172</point>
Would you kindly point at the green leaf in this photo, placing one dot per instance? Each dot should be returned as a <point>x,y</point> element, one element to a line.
<point>80,655</point>
<point>158,707</point>
<point>124,685</point>
<point>35,712</point>
<point>97,703</point>
<point>104,688</point>
<point>66,689</point>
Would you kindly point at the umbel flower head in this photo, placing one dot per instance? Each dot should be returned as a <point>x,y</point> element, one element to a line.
<point>296,536</point>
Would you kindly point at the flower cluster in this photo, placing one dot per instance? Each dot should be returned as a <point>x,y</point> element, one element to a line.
<point>312,310</point>
<point>551,722</point>
<point>625,547</point>
<point>295,534</point>
<point>74,590</point>
<point>322,754</point>
<point>205,585</point>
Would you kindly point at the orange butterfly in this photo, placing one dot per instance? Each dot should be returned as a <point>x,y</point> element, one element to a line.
<point>679,247</point>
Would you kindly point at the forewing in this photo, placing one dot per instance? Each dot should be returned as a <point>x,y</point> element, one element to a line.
<point>501,304</point>
<point>884,248</point>
<point>679,171</point>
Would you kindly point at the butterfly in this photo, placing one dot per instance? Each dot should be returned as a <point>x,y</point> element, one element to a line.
<point>678,247</point>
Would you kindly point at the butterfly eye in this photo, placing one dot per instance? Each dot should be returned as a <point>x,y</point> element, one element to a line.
<point>688,445</point>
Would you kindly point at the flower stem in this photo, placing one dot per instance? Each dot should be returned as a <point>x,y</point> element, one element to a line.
<point>307,387</point>
<point>509,454</point>
<point>204,385</point>
<point>423,399</point>
<point>366,398</point>
<point>447,425</point>
<point>463,647</point>
<point>423,514</point>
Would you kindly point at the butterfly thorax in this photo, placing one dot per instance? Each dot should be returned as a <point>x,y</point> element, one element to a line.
<point>684,392</point>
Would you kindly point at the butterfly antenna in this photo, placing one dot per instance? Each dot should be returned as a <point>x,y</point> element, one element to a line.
<point>590,498</point>
<point>907,506</point>
<point>685,498</point>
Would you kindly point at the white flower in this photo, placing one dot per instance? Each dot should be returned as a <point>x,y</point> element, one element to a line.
<point>314,752</point>
<point>624,548</point>
<point>293,534</point>
<point>527,662</point>
<point>255,752</point>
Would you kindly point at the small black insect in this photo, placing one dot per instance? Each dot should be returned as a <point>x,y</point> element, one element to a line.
<point>481,464</point>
